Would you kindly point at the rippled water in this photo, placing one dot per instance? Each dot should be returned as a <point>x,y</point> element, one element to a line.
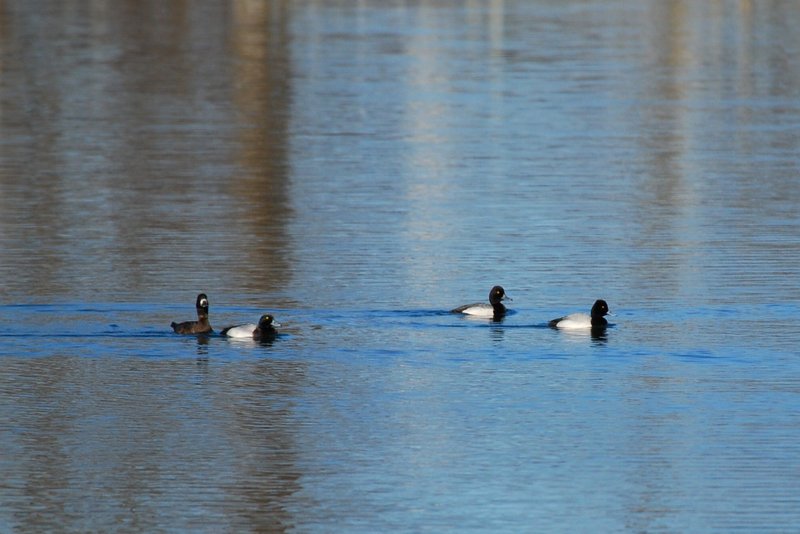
<point>358,169</point>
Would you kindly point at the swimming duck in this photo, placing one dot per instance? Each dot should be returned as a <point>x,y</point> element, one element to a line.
<point>265,329</point>
<point>581,320</point>
<point>201,325</point>
<point>494,308</point>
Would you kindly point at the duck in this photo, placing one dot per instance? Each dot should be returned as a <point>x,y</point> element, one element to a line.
<point>494,308</point>
<point>264,330</point>
<point>596,319</point>
<point>201,325</point>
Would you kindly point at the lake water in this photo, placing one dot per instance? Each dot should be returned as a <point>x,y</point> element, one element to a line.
<point>357,169</point>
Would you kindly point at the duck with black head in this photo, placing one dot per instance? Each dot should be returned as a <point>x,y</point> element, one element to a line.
<point>263,331</point>
<point>494,309</point>
<point>201,325</point>
<point>595,320</point>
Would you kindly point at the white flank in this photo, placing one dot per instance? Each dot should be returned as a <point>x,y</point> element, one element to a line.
<point>243,330</point>
<point>575,321</point>
<point>481,310</point>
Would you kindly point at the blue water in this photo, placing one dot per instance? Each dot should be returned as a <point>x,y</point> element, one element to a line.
<point>357,170</point>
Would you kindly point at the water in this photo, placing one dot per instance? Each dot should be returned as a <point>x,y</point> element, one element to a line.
<point>357,169</point>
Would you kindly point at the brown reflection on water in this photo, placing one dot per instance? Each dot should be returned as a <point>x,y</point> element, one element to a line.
<point>666,196</point>
<point>694,129</point>
<point>143,148</point>
<point>708,115</point>
<point>261,486</point>
<point>259,44</point>
<point>149,441</point>
<point>143,155</point>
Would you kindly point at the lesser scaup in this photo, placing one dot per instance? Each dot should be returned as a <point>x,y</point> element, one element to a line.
<point>495,308</point>
<point>581,320</point>
<point>265,329</point>
<point>201,325</point>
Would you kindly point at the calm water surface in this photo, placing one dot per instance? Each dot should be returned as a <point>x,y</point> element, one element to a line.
<point>357,169</point>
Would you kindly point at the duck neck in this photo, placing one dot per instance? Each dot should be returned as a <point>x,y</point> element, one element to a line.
<point>599,320</point>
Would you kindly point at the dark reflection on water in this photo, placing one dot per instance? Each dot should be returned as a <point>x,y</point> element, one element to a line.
<point>144,144</point>
<point>355,169</point>
<point>139,443</point>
